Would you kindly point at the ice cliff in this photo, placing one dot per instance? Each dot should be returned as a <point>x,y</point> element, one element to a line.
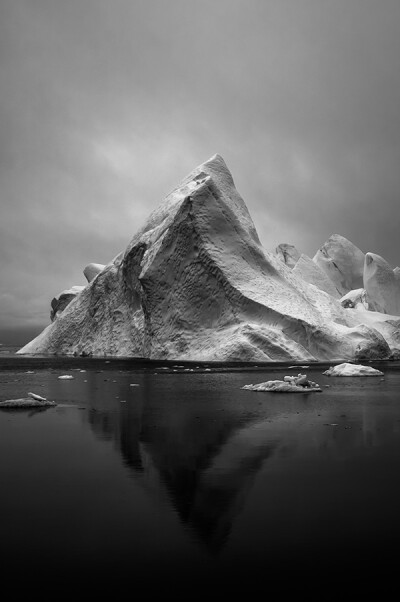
<point>196,284</point>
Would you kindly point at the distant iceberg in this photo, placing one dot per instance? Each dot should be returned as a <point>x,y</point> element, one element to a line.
<point>347,369</point>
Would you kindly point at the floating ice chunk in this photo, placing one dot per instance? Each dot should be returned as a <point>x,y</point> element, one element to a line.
<point>26,402</point>
<point>65,377</point>
<point>290,384</point>
<point>280,386</point>
<point>347,369</point>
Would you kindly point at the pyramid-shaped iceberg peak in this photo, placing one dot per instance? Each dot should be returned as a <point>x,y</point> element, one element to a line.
<point>196,284</point>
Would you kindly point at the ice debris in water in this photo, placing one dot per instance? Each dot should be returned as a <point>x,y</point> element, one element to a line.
<point>348,369</point>
<point>26,402</point>
<point>289,384</point>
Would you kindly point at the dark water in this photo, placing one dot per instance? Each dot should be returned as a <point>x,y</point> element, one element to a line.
<point>187,480</point>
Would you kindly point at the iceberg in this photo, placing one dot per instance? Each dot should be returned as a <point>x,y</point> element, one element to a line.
<point>26,402</point>
<point>196,284</point>
<point>289,384</point>
<point>342,262</point>
<point>347,369</point>
<point>382,284</point>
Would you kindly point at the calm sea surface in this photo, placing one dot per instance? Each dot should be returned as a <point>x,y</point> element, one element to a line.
<point>159,473</point>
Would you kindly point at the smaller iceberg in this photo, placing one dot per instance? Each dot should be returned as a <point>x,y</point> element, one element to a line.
<point>26,402</point>
<point>289,384</point>
<point>347,369</point>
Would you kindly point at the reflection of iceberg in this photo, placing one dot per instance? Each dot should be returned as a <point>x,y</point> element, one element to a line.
<point>206,495</point>
<point>224,485</point>
<point>123,429</point>
<point>214,454</point>
<point>204,467</point>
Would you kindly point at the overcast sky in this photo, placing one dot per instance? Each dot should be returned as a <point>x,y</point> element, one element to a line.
<point>106,105</point>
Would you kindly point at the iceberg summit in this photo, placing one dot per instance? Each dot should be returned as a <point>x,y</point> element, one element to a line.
<point>196,284</point>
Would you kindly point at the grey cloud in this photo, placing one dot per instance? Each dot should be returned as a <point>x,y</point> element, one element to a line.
<point>105,106</point>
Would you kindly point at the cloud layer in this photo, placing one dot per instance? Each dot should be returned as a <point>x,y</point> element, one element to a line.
<point>105,106</point>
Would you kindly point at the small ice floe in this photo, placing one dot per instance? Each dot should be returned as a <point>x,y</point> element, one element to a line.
<point>134,385</point>
<point>29,372</point>
<point>26,402</point>
<point>289,384</point>
<point>65,377</point>
<point>347,369</point>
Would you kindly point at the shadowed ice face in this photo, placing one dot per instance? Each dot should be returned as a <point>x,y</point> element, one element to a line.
<point>381,284</point>
<point>375,267</point>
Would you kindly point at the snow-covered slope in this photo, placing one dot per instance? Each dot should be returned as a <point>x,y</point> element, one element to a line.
<point>310,271</point>
<point>196,284</point>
